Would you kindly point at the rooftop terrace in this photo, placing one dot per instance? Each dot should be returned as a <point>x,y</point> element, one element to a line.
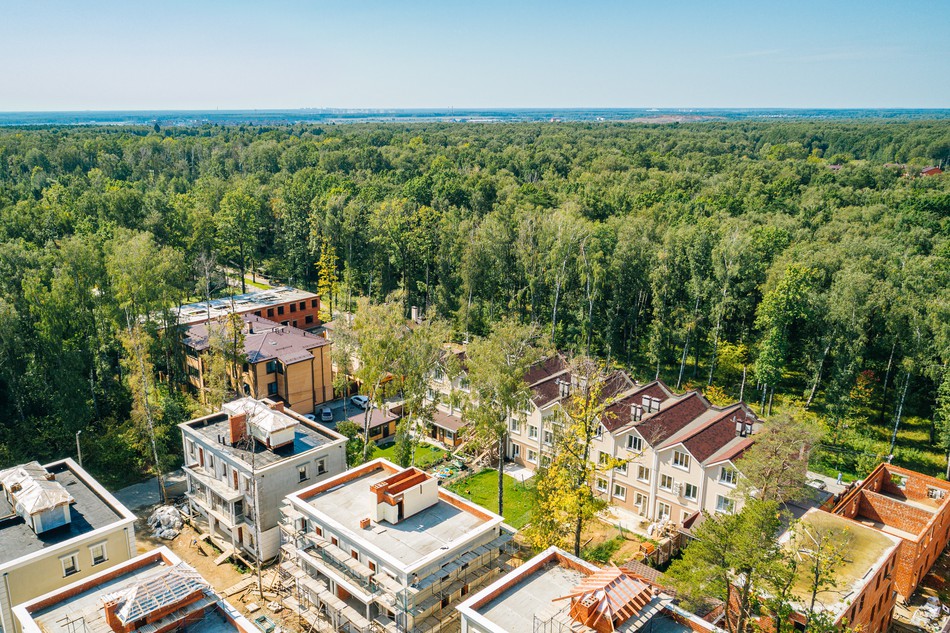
<point>197,312</point>
<point>89,512</point>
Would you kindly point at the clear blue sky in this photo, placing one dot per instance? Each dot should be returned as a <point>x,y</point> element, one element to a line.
<point>130,54</point>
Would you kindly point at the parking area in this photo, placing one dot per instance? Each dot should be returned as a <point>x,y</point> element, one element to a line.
<point>343,408</point>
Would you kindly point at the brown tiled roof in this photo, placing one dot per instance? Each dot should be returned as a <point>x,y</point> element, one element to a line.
<point>547,391</point>
<point>376,418</point>
<point>449,422</point>
<point>620,410</point>
<point>545,369</point>
<point>733,450</point>
<point>659,427</point>
<point>616,384</point>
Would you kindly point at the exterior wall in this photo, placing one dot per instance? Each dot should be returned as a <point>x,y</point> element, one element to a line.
<point>681,506</point>
<point>293,313</point>
<point>303,386</point>
<point>232,484</point>
<point>871,609</point>
<point>931,529</point>
<point>716,488</point>
<point>41,572</point>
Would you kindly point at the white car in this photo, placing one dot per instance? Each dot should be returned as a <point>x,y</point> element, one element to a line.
<point>310,416</point>
<point>360,401</point>
<point>326,414</point>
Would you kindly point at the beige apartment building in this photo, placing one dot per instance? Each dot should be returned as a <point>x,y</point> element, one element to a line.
<point>57,525</point>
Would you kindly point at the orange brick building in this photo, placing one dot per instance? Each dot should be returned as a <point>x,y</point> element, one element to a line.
<point>906,504</point>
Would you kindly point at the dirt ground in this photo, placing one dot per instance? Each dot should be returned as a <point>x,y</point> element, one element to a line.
<point>220,576</point>
<point>597,532</point>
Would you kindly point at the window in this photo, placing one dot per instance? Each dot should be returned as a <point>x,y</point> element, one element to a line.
<point>622,468</point>
<point>293,307</point>
<point>532,431</point>
<point>728,476</point>
<point>603,458</point>
<point>620,492</point>
<point>690,491</point>
<point>515,450</point>
<point>280,309</point>
<point>270,312</point>
<point>666,482</point>
<point>899,480</point>
<point>258,313</point>
<point>280,367</point>
<point>935,493</point>
<point>97,553</point>
<point>601,485</point>
<point>545,460</point>
<point>438,375</point>
<point>514,426</point>
<point>271,366</point>
<point>725,504</point>
<point>272,388</point>
<point>640,500</point>
<point>681,460</point>
<point>313,303</point>
<point>309,319</point>
<point>70,565</point>
<point>302,474</point>
<point>643,473</point>
<point>191,448</point>
<point>662,511</point>
<point>548,437</point>
<point>532,456</point>
<point>321,466</point>
<point>635,443</point>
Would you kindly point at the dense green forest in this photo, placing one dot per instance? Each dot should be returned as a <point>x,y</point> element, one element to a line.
<point>730,257</point>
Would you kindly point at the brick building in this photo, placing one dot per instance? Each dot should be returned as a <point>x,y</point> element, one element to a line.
<point>913,507</point>
<point>285,305</point>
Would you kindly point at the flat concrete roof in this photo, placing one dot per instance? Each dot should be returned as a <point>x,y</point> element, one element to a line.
<point>89,512</point>
<point>514,609</point>
<point>306,437</point>
<point>408,542</point>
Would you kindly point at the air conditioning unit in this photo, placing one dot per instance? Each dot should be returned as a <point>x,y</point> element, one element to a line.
<point>677,489</point>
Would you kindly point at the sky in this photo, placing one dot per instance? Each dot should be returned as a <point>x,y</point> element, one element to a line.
<point>235,54</point>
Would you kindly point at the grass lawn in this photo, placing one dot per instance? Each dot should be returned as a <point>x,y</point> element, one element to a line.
<point>482,488</point>
<point>426,454</point>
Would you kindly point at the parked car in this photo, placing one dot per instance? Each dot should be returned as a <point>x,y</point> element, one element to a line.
<point>326,414</point>
<point>310,416</point>
<point>360,401</point>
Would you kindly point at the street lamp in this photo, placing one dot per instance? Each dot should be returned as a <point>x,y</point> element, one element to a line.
<point>78,447</point>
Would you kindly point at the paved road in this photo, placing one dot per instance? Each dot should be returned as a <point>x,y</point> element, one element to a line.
<point>145,494</point>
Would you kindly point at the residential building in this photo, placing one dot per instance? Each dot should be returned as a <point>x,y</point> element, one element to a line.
<point>285,305</point>
<point>864,588</point>
<point>283,362</point>
<point>555,592</point>
<point>448,388</point>
<point>911,506</point>
<point>383,546</point>
<point>382,424</point>
<point>57,525</point>
<point>241,461</point>
<point>153,593</point>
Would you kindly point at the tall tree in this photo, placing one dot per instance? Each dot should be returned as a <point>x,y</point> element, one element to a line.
<point>774,467</point>
<point>497,364</point>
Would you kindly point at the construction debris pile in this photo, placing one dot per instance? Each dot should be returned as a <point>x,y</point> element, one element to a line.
<point>165,522</point>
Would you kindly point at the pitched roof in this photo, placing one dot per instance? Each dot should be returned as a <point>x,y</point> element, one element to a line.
<point>657,427</point>
<point>609,594</point>
<point>158,592</point>
<point>258,414</point>
<point>263,340</point>
<point>545,369</point>
<point>620,410</point>
<point>548,390</point>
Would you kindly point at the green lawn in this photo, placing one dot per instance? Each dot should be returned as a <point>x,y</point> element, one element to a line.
<point>426,454</point>
<point>482,488</point>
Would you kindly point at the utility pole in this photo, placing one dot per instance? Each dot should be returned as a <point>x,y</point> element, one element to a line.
<point>78,448</point>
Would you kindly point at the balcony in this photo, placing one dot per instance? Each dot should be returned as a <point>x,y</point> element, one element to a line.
<point>217,486</point>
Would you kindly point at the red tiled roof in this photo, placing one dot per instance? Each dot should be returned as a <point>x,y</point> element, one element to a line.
<point>660,426</point>
<point>620,410</point>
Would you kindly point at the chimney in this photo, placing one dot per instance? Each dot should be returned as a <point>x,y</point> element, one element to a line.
<point>238,426</point>
<point>636,412</point>
<point>277,406</point>
<point>414,310</point>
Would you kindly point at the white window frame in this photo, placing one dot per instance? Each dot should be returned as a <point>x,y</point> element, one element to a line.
<point>514,426</point>
<point>732,478</point>
<point>620,492</point>
<point>639,500</point>
<point>622,468</point>
<point>634,443</point>
<point>686,494</point>
<point>548,437</point>
<point>70,558</point>
<point>681,460</point>
<point>660,514</point>
<point>601,484</point>
<point>303,473</point>
<point>92,553</point>
<point>321,466</point>
<point>643,473</point>
<point>602,458</point>
<point>532,432</point>
<point>515,450</point>
<point>725,504</point>
<point>663,478</point>
<point>534,459</point>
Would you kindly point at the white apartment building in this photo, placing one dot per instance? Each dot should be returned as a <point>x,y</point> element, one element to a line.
<point>57,525</point>
<point>384,548</point>
<point>243,460</point>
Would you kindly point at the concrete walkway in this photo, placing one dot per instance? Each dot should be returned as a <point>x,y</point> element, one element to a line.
<point>145,494</point>
<point>518,472</point>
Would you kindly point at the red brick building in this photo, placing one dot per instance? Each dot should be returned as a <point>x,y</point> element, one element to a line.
<point>906,504</point>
